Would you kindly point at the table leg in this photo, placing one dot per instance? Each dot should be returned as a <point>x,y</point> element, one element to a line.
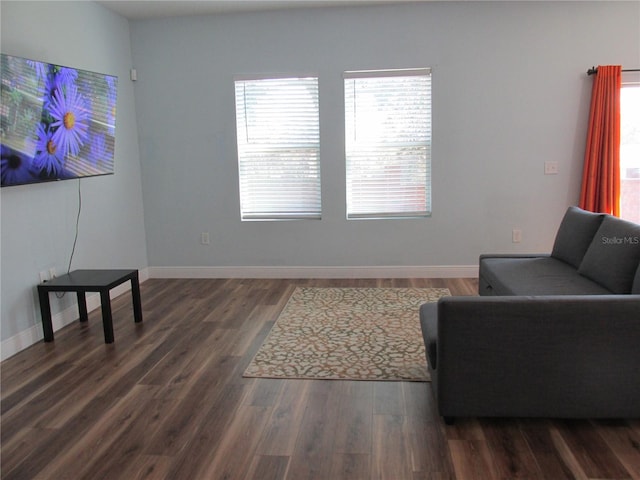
<point>135,295</point>
<point>45,313</point>
<point>82,306</point>
<point>107,321</point>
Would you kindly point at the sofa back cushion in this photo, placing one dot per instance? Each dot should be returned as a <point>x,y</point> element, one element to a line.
<point>575,234</point>
<point>614,254</point>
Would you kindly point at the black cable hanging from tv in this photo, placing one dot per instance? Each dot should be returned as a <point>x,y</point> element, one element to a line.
<point>594,70</point>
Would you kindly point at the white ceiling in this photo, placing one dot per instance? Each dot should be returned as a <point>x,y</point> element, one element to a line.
<point>142,9</point>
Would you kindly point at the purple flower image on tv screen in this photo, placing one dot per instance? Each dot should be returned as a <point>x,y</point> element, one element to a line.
<point>56,122</point>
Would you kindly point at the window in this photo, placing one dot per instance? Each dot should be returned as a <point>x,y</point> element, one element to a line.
<point>630,148</point>
<point>277,123</point>
<point>388,143</point>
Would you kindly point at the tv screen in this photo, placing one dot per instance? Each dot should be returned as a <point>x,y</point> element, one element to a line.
<point>57,122</point>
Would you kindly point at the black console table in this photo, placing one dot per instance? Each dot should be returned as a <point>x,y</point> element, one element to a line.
<point>82,281</point>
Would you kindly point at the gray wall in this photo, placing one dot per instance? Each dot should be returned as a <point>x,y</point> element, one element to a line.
<point>510,91</point>
<point>38,221</point>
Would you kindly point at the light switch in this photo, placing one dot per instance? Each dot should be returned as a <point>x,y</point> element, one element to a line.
<point>550,168</point>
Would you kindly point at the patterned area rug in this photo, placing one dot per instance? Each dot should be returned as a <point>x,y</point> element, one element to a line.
<point>348,334</point>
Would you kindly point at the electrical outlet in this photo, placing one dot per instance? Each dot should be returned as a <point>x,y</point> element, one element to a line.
<point>44,276</point>
<point>204,238</point>
<point>516,235</point>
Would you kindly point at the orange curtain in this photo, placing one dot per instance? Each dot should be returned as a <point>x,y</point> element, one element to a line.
<point>601,174</point>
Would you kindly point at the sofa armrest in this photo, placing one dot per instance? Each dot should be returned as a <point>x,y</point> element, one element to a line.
<point>513,255</point>
<point>485,285</point>
<point>564,356</point>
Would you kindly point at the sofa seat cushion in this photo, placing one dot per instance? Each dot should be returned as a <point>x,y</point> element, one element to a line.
<point>613,256</point>
<point>535,276</point>
<point>429,326</point>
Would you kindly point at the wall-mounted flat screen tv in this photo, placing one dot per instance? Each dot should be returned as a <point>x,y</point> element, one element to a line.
<point>56,122</point>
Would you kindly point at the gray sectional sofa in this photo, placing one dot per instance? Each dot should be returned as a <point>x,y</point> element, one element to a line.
<point>551,335</point>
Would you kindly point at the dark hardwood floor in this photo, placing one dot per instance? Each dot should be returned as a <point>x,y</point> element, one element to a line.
<point>167,401</point>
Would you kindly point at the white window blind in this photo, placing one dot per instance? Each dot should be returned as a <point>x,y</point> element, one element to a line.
<point>277,124</point>
<point>388,143</point>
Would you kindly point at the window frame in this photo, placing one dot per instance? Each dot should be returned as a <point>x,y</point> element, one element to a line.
<point>629,185</point>
<point>354,211</point>
<point>244,147</point>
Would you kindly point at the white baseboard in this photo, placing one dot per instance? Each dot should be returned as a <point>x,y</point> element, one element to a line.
<point>34,334</point>
<point>437,271</point>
